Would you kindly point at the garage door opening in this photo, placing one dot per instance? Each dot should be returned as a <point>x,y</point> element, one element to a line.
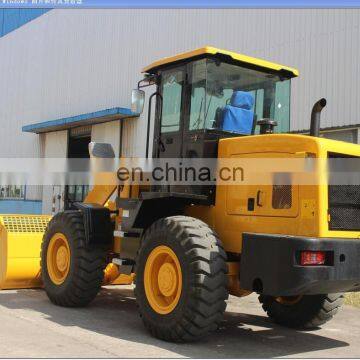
<point>78,148</point>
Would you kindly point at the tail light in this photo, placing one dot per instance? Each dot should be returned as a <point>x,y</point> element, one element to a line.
<point>311,258</point>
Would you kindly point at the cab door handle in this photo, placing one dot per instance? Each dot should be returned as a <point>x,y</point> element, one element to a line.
<point>161,145</point>
<point>258,198</point>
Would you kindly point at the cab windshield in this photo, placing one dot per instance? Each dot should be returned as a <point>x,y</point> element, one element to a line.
<point>223,91</point>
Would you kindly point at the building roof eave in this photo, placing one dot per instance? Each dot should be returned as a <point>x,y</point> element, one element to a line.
<point>92,118</point>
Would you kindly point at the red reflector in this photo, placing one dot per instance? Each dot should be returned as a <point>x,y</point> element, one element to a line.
<point>312,258</point>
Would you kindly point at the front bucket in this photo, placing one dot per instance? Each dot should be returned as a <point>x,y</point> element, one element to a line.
<point>20,244</point>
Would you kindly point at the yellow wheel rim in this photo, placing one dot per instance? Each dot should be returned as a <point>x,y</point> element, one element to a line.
<point>288,300</point>
<point>58,258</point>
<point>163,279</point>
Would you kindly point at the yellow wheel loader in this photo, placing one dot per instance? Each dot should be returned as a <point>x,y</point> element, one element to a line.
<point>187,247</point>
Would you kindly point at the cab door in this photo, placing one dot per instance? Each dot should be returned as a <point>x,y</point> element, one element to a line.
<point>170,136</point>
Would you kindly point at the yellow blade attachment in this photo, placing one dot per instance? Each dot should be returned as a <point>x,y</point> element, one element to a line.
<point>20,245</point>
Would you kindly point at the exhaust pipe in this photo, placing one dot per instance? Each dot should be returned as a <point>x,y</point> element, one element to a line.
<point>315,117</point>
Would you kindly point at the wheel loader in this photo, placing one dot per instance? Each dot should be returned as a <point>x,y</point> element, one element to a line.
<point>188,247</point>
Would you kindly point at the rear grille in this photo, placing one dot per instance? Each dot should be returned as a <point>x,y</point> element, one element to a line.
<point>344,207</point>
<point>344,200</point>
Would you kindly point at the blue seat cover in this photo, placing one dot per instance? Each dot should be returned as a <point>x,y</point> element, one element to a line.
<point>238,116</point>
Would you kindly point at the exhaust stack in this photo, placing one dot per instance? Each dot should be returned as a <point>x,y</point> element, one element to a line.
<point>315,117</point>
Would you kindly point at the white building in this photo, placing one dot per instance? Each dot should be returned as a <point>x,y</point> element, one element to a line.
<point>66,75</point>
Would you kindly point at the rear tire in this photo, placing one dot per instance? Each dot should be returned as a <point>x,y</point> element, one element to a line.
<point>310,311</point>
<point>83,278</point>
<point>201,303</point>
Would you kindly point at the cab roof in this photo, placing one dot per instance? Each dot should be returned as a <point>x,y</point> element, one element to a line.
<point>214,52</point>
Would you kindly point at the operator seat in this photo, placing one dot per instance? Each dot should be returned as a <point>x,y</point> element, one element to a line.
<point>237,117</point>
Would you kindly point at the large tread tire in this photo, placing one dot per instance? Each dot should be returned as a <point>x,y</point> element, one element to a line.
<point>310,312</point>
<point>204,293</point>
<point>87,263</point>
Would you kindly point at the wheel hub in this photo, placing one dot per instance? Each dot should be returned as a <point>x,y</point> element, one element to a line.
<point>58,258</point>
<point>62,258</point>
<point>163,279</point>
<point>167,279</point>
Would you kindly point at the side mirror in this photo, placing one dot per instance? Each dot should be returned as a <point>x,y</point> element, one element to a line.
<point>101,150</point>
<point>137,101</point>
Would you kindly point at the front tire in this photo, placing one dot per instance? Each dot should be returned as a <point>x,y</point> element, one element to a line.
<point>181,281</point>
<point>72,272</point>
<point>307,312</point>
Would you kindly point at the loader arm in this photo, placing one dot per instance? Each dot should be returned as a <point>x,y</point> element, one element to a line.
<point>100,194</point>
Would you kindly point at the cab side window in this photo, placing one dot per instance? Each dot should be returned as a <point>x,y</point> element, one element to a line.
<point>172,85</point>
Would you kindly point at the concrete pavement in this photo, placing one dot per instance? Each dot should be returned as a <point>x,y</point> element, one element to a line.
<point>30,326</point>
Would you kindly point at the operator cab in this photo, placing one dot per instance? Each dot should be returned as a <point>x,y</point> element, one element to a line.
<point>208,94</point>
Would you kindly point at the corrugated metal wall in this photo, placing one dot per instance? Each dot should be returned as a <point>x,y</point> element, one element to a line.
<point>69,62</point>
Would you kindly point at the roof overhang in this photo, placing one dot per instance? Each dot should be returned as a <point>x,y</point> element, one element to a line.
<point>93,118</point>
<point>212,51</point>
